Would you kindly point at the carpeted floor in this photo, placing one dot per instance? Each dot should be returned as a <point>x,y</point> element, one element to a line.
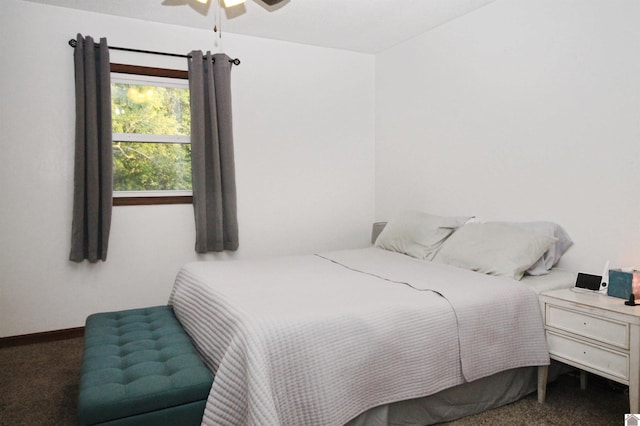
<point>39,387</point>
<point>39,383</point>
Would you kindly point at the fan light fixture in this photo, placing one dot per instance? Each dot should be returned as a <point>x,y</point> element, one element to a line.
<point>227,3</point>
<point>230,3</point>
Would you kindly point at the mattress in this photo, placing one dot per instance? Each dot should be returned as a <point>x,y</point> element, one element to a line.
<point>321,339</point>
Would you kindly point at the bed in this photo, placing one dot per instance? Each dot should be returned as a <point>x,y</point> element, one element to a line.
<point>409,334</point>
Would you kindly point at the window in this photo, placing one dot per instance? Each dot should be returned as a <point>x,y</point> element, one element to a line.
<point>151,124</point>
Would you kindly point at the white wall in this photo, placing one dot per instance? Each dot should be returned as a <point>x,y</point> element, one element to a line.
<point>521,110</point>
<point>304,141</point>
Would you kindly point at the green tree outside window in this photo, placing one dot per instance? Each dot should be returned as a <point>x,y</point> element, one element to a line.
<point>147,120</point>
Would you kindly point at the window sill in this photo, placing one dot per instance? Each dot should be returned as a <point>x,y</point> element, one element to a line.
<point>148,201</point>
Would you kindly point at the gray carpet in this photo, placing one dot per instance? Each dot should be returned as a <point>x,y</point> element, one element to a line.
<point>39,386</point>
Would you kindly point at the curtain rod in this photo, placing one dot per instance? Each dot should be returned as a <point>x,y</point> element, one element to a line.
<point>73,43</point>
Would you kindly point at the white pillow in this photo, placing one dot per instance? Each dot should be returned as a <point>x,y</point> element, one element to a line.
<point>552,256</point>
<point>495,248</point>
<point>417,234</point>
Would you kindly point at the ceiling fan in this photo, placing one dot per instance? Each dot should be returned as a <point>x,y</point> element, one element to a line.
<point>231,3</point>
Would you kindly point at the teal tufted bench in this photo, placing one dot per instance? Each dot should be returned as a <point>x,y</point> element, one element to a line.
<point>139,367</point>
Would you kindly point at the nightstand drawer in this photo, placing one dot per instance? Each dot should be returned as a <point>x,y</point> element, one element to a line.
<point>582,354</point>
<point>597,328</point>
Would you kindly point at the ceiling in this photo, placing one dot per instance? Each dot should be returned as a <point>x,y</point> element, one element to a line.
<point>368,26</point>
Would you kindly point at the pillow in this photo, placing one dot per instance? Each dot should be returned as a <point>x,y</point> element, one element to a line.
<point>495,248</point>
<point>552,256</point>
<point>417,234</point>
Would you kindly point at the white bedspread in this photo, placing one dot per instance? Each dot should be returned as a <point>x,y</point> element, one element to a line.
<point>316,340</point>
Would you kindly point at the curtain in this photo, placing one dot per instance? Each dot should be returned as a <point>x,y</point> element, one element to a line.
<point>92,186</point>
<point>212,160</point>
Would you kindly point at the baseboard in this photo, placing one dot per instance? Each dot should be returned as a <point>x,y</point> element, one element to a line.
<point>46,336</point>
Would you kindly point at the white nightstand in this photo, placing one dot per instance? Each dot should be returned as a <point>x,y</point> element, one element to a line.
<point>595,333</point>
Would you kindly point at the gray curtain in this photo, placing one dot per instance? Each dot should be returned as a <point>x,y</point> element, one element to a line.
<point>92,187</point>
<point>212,160</point>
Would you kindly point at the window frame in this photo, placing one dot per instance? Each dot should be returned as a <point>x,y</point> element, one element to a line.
<point>135,198</point>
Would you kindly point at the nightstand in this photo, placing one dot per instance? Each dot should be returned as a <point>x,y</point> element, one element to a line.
<point>595,333</point>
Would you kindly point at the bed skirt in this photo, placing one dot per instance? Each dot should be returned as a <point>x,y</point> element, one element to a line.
<point>459,401</point>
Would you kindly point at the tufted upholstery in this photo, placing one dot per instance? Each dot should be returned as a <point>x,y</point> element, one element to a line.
<point>140,362</point>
